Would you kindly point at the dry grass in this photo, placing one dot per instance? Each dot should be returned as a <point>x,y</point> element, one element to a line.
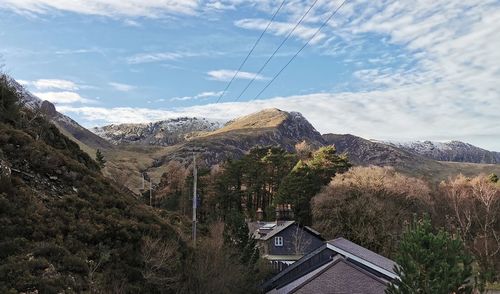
<point>267,118</point>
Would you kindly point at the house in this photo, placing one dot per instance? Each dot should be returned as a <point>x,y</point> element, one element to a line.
<point>284,242</point>
<point>338,266</point>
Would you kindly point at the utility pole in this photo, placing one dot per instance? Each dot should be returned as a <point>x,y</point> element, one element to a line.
<point>150,193</point>
<point>142,181</point>
<point>195,198</point>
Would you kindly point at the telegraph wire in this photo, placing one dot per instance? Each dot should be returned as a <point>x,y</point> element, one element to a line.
<point>300,50</point>
<point>251,51</point>
<point>275,51</point>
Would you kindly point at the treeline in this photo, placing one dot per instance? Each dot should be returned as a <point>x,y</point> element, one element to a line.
<point>372,206</point>
<point>262,179</point>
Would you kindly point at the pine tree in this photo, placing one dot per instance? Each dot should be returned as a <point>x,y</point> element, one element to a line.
<point>431,262</point>
<point>237,237</point>
<point>306,180</point>
<point>100,158</point>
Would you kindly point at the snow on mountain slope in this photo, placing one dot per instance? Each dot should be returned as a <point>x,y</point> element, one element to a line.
<point>449,151</point>
<point>161,133</point>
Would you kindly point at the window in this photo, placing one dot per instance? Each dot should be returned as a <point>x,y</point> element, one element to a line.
<point>278,241</point>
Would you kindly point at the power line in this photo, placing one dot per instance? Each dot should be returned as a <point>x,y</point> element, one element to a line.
<point>251,51</point>
<point>275,51</point>
<point>302,48</point>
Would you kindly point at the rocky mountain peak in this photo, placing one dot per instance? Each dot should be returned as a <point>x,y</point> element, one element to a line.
<point>160,133</point>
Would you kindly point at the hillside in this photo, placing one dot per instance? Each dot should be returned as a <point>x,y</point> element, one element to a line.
<point>87,140</point>
<point>449,151</point>
<point>64,227</point>
<point>368,152</point>
<point>161,133</point>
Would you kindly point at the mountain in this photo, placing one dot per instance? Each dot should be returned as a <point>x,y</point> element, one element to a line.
<point>365,152</point>
<point>162,133</point>
<point>449,151</point>
<point>65,228</point>
<point>87,140</point>
<point>369,152</point>
<point>269,127</point>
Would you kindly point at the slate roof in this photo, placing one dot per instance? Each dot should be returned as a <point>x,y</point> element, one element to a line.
<point>364,254</point>
<point>274,228</point>
<point>342,276</point>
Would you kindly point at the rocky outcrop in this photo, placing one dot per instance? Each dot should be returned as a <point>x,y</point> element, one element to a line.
<point>68,126</point>
<point>162,133</point>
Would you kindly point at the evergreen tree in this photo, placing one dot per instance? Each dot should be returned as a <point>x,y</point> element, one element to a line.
<point>9,101</point>
<point>237,236</point>
<point>100,158</point>
<point>306,180</point>
<point>297,189</point>
<point>431,262</point>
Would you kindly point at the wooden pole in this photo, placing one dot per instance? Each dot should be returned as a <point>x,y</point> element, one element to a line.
<point>195,179</point>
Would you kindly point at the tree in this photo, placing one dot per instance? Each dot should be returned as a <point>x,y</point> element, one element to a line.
<point>100,158</point>
<point>238,238</point>
<point>475,203</point>
<point>307,178</point>
<point>369,205</point>
<point>431,262</point>
<point>9,101</point>
<point>297,189</point>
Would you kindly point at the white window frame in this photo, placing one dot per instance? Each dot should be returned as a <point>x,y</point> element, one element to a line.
<point>278,241</point>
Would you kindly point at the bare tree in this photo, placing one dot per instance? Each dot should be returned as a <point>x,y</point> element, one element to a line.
<point>160,262</point>
<point>475,204</point>
<point>300,241</point>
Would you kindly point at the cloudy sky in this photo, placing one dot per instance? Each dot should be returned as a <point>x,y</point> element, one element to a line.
<point>389,70</point>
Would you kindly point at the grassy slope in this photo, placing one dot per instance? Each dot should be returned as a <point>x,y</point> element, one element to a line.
<point>62,216</point>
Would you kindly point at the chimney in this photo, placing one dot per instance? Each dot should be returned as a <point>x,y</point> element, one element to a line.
<point>284,212</point>
<point>260,214</point>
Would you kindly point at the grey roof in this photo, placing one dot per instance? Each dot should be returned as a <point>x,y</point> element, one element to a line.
<point>364,254</point>
<point>342,276</point>
<point>278,228</point>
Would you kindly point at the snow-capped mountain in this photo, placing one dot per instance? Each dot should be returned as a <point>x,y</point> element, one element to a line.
<point>161,133</point>
<point>449,151</point>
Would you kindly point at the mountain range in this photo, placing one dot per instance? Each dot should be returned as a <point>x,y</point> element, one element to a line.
<point>132,149</point>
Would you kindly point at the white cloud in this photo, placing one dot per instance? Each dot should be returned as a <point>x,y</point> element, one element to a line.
<point>65,97</point>
<point>122,87</point>
<point>388,114</point>
<point>51,84</point>
<point>202,95</point>
<point>159,57</point>
<point>282,29</point>
<point>226,75</point>
<point>110,8</point>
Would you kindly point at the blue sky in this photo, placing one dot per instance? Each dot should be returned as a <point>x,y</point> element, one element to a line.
<point>389,70</point>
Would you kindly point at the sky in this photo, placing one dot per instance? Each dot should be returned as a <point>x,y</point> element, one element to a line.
<point>387,70</point>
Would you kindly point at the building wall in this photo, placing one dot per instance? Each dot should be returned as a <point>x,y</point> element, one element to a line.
<point>294,239</point>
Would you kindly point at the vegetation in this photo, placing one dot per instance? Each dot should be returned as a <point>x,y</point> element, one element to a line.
<point>474,208</point>
<point>431,262</point>
<point>369,206</point>
<point>64,228</point>
<point>306,180</point>
<point>100,158</point>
